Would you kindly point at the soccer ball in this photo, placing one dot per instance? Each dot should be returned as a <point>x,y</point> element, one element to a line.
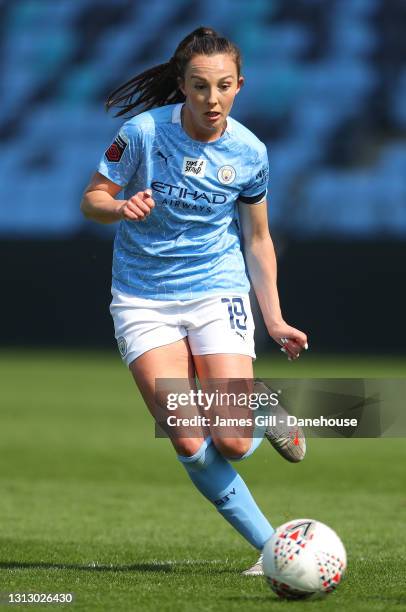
<point>304,558</point>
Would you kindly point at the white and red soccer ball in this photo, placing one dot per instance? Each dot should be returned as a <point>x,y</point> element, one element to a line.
<point>304,558</point>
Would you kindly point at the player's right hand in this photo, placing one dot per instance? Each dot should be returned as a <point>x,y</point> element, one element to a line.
<point>138,207</point>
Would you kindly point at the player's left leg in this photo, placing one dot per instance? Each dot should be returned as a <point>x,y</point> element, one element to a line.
<point>231,374</point>
<point>220,333</point>
<point>210,368</point>
<point>221,338</point>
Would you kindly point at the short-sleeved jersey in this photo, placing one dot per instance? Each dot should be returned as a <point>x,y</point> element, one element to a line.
<point>189,246</point>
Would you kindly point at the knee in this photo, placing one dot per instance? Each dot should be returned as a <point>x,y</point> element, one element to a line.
<point>233,448</point>
<point>187,447</point>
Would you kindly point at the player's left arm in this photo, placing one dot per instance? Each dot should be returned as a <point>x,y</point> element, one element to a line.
<point>262,268</point>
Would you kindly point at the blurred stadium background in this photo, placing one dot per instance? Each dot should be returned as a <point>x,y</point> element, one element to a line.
<point>325,89</point>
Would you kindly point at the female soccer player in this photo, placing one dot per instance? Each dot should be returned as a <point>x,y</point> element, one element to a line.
<point>194,180</point>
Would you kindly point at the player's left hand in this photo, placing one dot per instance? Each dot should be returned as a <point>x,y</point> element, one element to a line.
<point>292,340</point>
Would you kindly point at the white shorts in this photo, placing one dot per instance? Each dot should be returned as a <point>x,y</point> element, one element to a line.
<point>214,324</point>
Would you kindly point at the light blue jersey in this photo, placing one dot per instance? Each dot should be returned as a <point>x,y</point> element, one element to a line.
<point>189,246</point>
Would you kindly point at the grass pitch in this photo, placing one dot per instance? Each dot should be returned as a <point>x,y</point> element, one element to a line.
<point>92,503</point>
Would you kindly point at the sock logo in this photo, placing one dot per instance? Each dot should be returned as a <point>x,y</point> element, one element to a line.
<point>223,500</point>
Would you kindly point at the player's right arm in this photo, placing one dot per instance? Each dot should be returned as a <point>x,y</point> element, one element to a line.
<point>99,203</point>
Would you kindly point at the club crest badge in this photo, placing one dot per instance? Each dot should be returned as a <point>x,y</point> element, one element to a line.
<point>226,175</point>
<point>122,346</point>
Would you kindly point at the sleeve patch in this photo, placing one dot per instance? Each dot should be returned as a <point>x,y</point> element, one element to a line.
<point>115,151</point>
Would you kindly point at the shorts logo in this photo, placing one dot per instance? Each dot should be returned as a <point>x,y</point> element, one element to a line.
<point>115,151</point>
<point>226,175</point>
<point>122,346</point>
<point>194,167</point>
<point>240,334</point>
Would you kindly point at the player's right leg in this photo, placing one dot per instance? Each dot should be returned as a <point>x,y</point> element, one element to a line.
<point>170,362</point>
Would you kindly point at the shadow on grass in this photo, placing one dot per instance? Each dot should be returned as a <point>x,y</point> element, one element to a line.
<point>91,567</point>
<point>268,598</point>
<point>164,566</point>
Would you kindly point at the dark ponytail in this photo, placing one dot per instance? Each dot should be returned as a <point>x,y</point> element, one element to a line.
<point>159,85</point>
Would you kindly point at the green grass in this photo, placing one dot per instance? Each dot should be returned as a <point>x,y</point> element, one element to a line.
<point>92,503</point>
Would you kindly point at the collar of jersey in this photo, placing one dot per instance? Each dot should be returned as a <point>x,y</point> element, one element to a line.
<point>176,118</point>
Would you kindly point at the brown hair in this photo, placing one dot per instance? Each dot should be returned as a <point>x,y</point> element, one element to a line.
<point>159,85</point>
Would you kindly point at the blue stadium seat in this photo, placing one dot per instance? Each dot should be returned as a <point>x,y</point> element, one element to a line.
<point>28,15</point>
<point>20,84</point>
<point>358,203</point>
<point>397,97</point>
<point>273,95</point>
<point>392,160</point>
<point>352,38</point>
<point>340,79</point>
<point>357,8</point>
<point>79,86</point>
<point>49,203</point>
<point>283,41</point>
